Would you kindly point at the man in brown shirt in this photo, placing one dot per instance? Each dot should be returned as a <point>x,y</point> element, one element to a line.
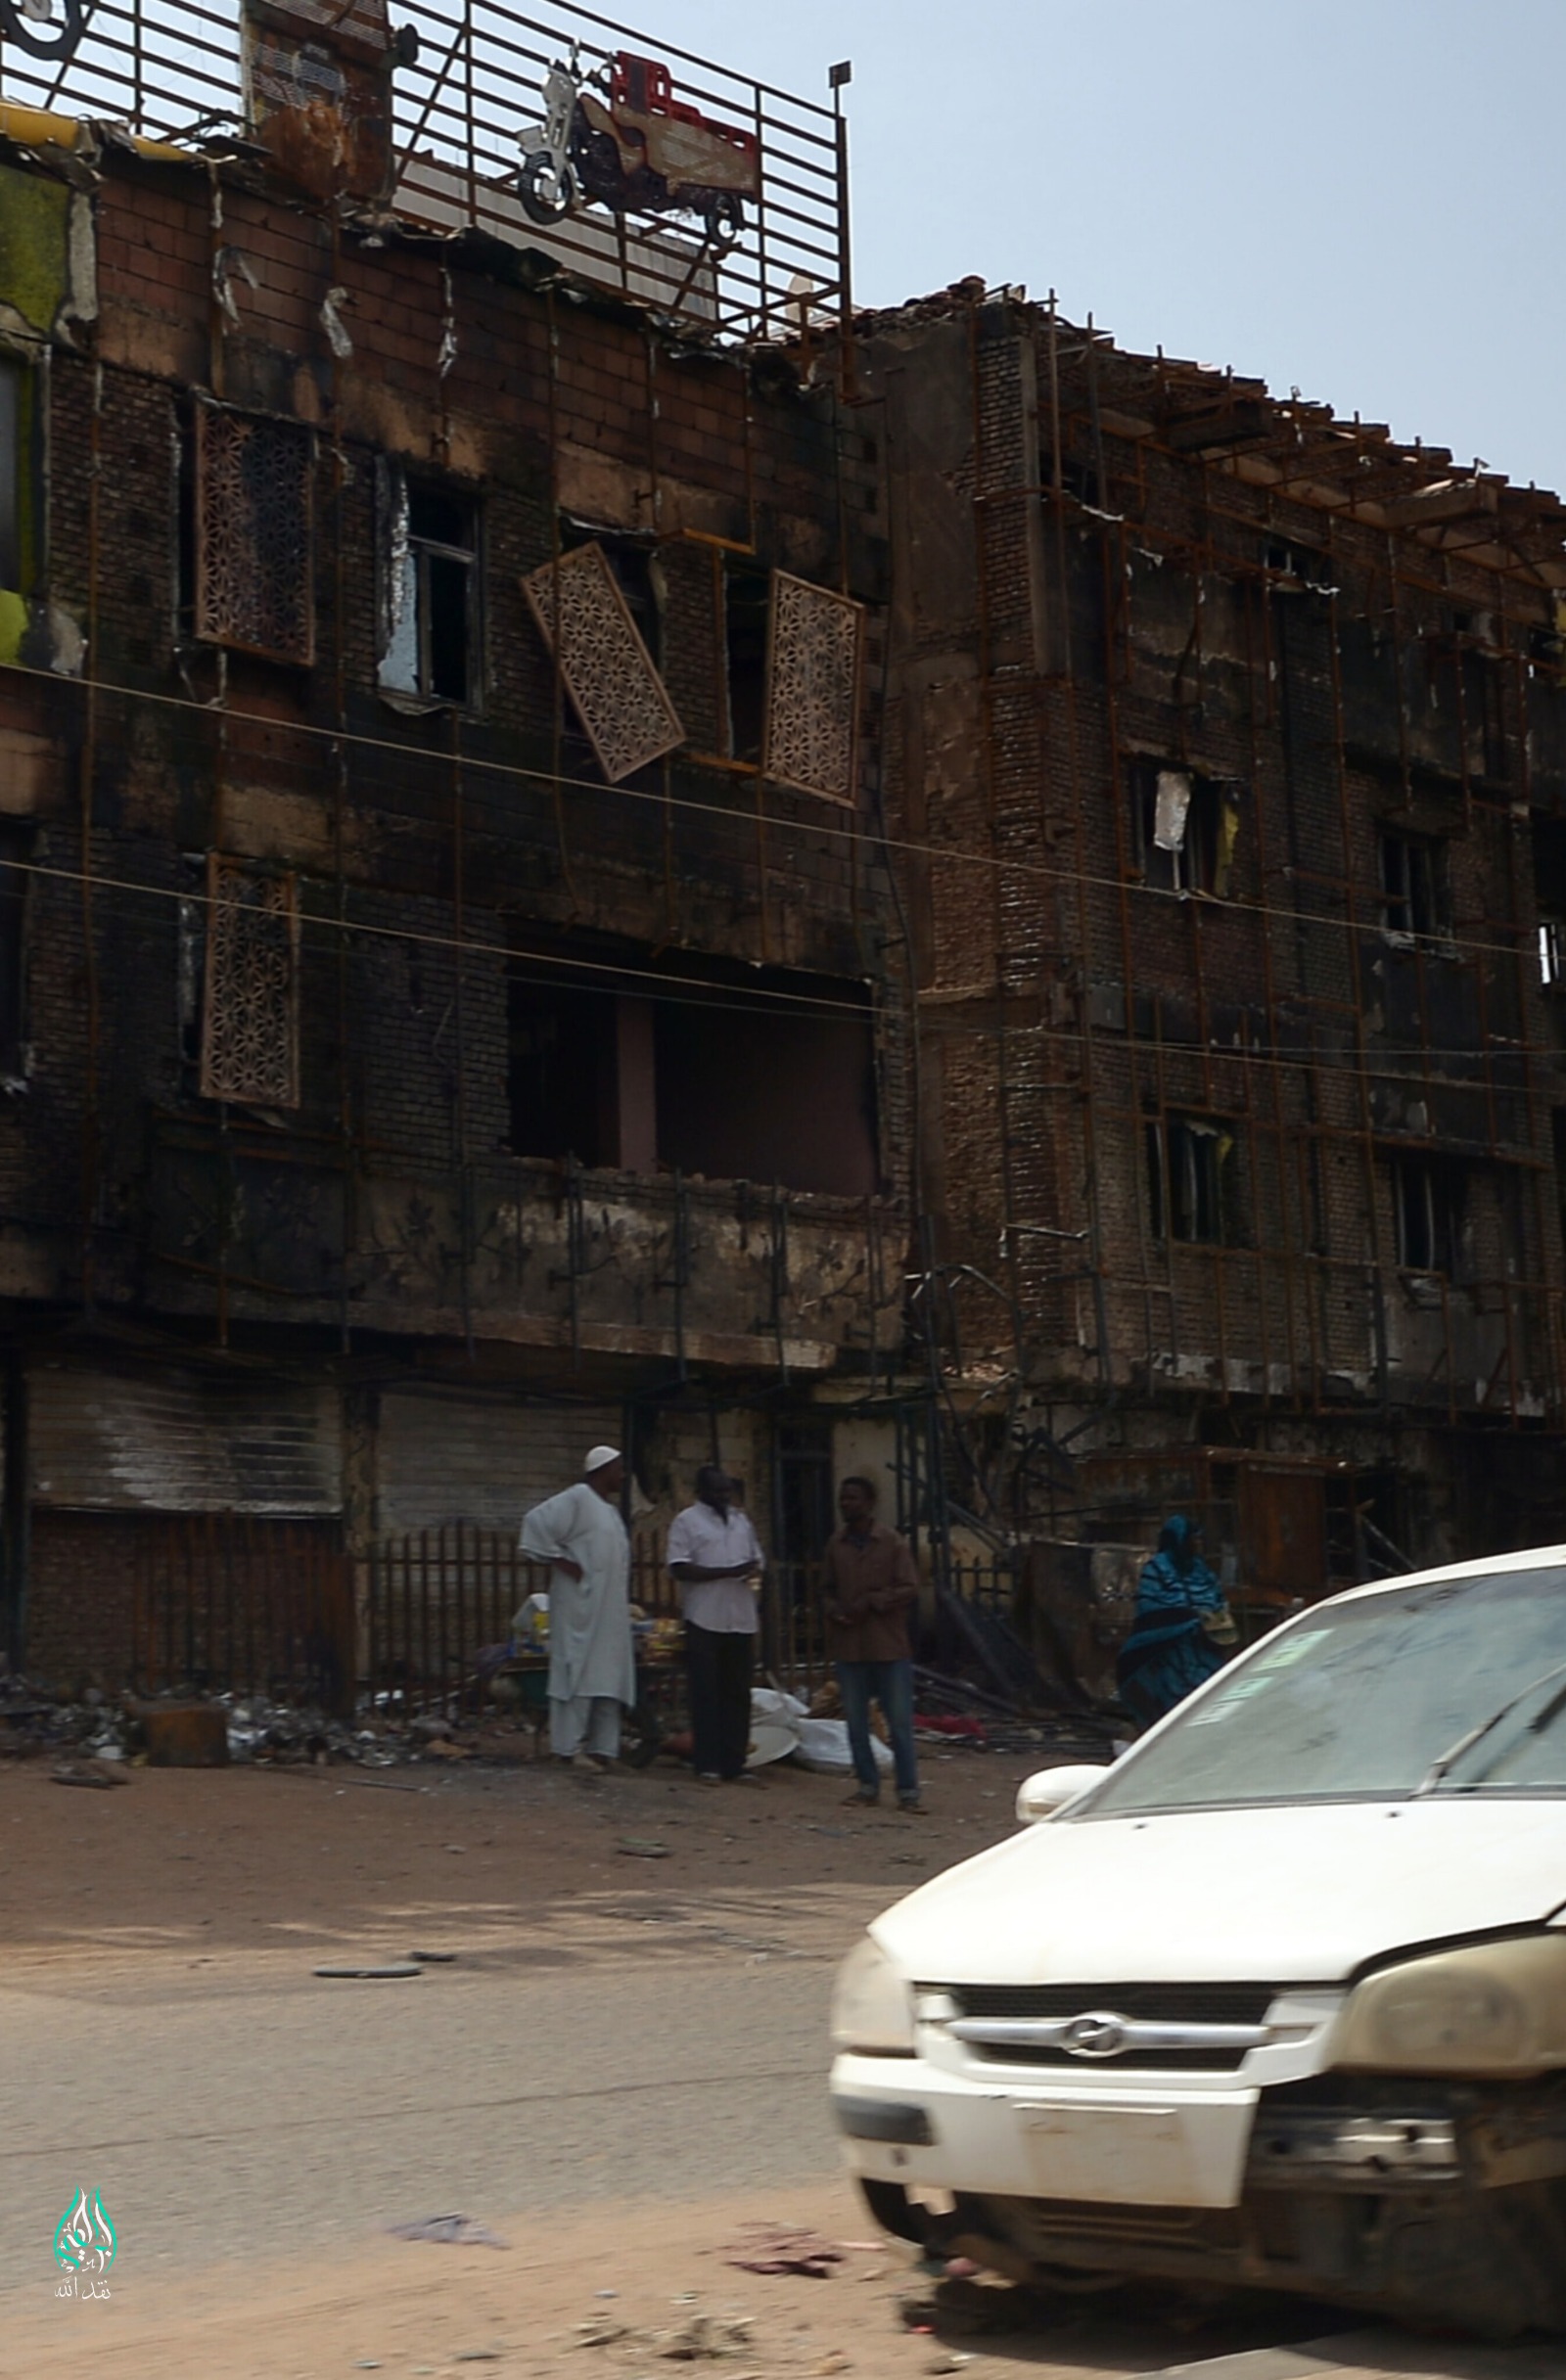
<point>870,1590</point>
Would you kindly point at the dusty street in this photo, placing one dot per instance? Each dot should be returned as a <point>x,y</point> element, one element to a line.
<point>620,2069</point>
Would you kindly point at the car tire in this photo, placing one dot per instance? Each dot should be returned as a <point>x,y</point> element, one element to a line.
<point>895,2211</point>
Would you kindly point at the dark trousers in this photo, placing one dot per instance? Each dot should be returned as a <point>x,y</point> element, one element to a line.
<point>891,1684</point>
<point>721,1666</point>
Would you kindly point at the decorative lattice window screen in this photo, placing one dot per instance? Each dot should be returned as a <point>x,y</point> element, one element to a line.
<point>812,688</point>
<point>610,675</point>
<point>253,509</point>
<point>250,999</point>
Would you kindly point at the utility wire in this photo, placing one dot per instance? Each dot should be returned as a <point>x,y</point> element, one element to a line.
<point>321,934</point>
<point>839,821</point>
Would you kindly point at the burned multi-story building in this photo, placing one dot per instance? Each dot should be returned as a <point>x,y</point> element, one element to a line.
<point>1226,756</point>
<point>595,846</point>
<point>444,1012</point>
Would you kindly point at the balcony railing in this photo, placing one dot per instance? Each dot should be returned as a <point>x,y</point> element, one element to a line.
<point>459,107</point>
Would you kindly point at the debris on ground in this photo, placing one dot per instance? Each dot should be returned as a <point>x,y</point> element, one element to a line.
<point>186,1724</point>
<point>641,1847</point>
<point>386,1971</point>
<point>87,1772</point>
<point>181,1734</point>
<point>778,2248</point>
<point>706,2336</point>
<point>448,2231</point>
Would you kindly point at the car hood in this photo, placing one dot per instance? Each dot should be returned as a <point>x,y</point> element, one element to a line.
<point>1300,1894</point>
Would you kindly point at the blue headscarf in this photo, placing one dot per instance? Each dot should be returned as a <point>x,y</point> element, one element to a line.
<point>1169,1652</point>
<point>1176,1575</point>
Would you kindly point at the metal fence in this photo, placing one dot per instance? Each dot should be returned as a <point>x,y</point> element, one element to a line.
<point>436,1597</point>
<point>458,107</point>
<point>227,1602</point>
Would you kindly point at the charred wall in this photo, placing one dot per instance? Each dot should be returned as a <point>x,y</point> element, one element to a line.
<point>1250,1121</point>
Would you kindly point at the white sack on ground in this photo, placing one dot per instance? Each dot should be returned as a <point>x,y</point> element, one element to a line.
<point>824,1747</point>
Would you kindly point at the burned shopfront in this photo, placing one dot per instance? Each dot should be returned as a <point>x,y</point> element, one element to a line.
<point>451,1000</point>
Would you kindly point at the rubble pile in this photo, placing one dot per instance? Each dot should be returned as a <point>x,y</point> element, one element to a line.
<point>38,1721</point>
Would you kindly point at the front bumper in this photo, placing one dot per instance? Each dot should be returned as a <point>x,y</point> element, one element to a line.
<point>1021,2137</point>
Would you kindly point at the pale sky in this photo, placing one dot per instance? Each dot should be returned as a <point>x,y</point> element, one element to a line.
<point>1361,198</point>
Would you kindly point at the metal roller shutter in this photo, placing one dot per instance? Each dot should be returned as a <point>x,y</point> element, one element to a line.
<point>443,1458</point>
<point>183,1441</point>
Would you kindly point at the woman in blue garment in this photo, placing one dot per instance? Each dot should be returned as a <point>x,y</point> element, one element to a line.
<point>1182,1627</point>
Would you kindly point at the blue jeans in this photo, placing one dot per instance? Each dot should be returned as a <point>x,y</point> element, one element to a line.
<point>891,1684</point>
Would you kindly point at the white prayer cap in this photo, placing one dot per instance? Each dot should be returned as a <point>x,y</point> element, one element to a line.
<point>598,1457</point>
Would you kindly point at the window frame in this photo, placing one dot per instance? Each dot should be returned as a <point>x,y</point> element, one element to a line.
<point>399,547</point>
<point>1413,881</point>
<point>1194,1152</point>
<point>1434,1192</point>
<point>1197,866</point>
<point>22,541</point>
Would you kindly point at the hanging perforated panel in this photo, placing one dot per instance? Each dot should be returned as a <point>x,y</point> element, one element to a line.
<point>610,674</point>
<point>812,688</point>
<point>250,1008</point>
<point>254,520</point>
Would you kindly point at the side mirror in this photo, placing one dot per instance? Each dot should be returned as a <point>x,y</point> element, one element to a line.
<point>1040,1796</point>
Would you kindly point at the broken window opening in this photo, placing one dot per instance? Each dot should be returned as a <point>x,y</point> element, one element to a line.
<point>1414,887</point>
<point>648,1063</point>
<point>603,661</point>
<point>17,840</point>
<point>1551,952</point>
<point>747,613</point>
<point>254,535</point>
<point>638,574</point>
<point>1189,1192</point>
<point>1184,828</point>
<point>430,582</point>
<point>19,506</point>
<point>249,996</point>
<point>1429,1207</point>
<point>1079,479</point>
<point>1300,566</point>
<point>1549,890</point>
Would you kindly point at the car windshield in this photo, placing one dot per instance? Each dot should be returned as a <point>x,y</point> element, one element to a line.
<point>1453,1687</point>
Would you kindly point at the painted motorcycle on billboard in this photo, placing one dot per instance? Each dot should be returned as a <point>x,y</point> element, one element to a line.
<point>631,145</point>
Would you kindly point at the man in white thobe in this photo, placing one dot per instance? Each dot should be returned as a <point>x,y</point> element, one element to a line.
<point>592,1673</point>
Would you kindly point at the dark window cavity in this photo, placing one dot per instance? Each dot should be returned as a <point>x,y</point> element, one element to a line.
<point>1190,1161</point>
<point>1414,887</point>
<point>747,609</point>
<point>1183,829</point>
<point>1550,892</point>
<point>656,1062</point>
<point>11,474</point>
<point>1429,1207</point>
<point>430,589</point>
<point>1298,566</point>
<point>20,508</point>
<point>16,837</point>
<point>638,574</point>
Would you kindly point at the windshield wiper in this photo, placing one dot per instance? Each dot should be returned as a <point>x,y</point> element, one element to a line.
<point>1465,1743</point>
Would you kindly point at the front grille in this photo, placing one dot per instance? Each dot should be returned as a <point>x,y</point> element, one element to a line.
<point>1154,2003</point>
<point>1151,2004</point>
<point>1127,2062</point>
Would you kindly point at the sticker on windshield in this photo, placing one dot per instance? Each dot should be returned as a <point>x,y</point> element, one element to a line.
<point>1295,1650</point>
<point>1223,1705</point>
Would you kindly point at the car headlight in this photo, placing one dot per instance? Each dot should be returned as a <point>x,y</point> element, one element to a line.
<point>1497,2009</point>
<point>872,2008</point>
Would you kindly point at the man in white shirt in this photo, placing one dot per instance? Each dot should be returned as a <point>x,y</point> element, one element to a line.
<point>592,1670</point>
<point>717,1565</point>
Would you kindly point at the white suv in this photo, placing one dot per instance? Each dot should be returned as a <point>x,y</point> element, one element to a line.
<point>1277,2001</point>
